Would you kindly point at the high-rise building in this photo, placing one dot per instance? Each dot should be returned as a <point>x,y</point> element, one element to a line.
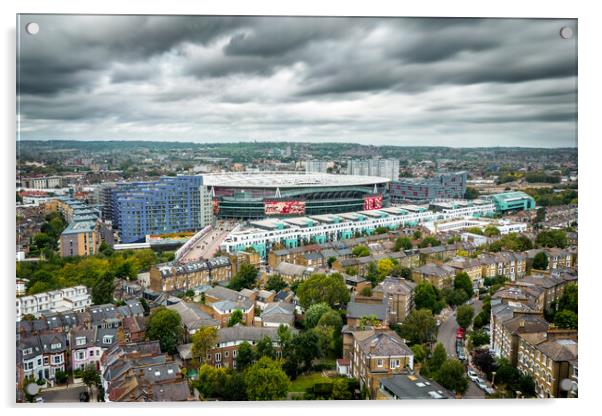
<point>441,186</point>
<point>316,166</point>
<point>386,168</point>
<point>206,206</point>
<point>171,204</point>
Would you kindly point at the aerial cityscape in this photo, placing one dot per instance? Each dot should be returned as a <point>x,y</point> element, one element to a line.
<point>282,208</point>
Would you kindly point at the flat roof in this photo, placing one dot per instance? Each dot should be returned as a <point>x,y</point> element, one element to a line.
<point>288,180</point>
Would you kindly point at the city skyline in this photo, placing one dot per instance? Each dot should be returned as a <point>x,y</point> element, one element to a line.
<point>381,81</point>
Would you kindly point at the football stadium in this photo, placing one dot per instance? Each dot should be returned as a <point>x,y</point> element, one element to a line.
<point>282,194</point>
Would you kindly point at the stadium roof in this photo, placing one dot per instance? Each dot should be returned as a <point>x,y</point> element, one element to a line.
<point>288,180</point>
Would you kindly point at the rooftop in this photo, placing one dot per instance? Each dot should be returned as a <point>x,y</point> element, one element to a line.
<point>288,180</point>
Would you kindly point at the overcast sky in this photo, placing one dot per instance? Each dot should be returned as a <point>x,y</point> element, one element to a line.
<point>401,81</point>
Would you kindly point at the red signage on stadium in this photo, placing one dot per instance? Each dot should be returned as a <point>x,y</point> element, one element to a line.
<point>284,207</point>
<point>373,202</point>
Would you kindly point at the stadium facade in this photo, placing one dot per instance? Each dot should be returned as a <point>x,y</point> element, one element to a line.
<point>248,196</point>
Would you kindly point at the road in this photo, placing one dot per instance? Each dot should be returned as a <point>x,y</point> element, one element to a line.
<point>63,395</point>
<point>447,336</point>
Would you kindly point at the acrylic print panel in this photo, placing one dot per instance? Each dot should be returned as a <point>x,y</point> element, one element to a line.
<point>282,208</point>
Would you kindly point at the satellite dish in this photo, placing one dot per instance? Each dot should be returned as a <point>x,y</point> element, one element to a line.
<point>566,384</point>
<point>32,389</point>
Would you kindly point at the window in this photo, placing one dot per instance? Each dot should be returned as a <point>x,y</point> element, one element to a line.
<point>57,359</point>
<point>27,351</point>
<point>226,354</point>
<point>395,363</point>
<point>46,361</point>
<point>107,339</point>
<point>235,353</point>
<point>379,362</point>
<point>218,356</point>
<point>208,357</point>
<point>80,340</point>
<point>81,355</point>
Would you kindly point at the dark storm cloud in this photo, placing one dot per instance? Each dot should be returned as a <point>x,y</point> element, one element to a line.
<point>297,78</point>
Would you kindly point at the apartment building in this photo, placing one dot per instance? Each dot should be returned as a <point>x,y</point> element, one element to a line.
<point>71,299</point>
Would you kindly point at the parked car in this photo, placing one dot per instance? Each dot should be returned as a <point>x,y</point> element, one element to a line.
<point>489,390</point>
<point>84,396</point>
<point>472,375</point>
<point>482,384</point>
<point>39,399</point>
<point>461,356</point>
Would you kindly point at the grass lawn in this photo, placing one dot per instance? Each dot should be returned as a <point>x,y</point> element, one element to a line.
<point>308,380</point>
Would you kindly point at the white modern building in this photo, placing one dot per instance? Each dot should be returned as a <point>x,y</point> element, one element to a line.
<point>291,232</point>
<point>387,168</point>
<point>71,299</point>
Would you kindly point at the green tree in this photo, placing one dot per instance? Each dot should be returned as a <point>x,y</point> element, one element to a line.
<point>464,315</point>
<point>419,327</point>
<point>540,261</point>
<point>332,319</point>
<point>210,381</point>
<point>90,376</point>
<point>552,238</point>
<point>462,281</point>
<point>403,243</point>
<point>471,193</point>
<point>452,375</point>
<point>102,290</point>
<point>340,389</point>
<point>429,242</point>
<point>61,377</point>
<point>264,348</point>
<point>275,283</point>
<point>318,288</point>
<point>245,356</point>
<point>245,278</point>
<point>478,338</point>
<point>491,231</point>
<point>300,352</point>
<point>456,297</point>
<point>417,235</point>
<point>566,319</point>
<point>360,251</point>
<point>265,380</point>
<point>235,318</point>
<point>330,261</point>
<point>314,313</point>
<point>438,358</point>
<point>420,352</point>
<point>203,340</point>
<point>165,325</point>
<point>569,298</point>
<point>425,296</point>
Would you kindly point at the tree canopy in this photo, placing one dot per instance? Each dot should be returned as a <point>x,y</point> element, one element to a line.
<point>165,326</point>
<point>321,288</point>
<point>464,315</point>
<point>245,278</point>
<point>419,327</point>
<point>203,340</point>
<point>265,380</point>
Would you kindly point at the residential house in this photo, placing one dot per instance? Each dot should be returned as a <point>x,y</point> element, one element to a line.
<point>400,297</point>
<point>410,386</point>
<point>193,317</point>
<point>183,276</point>
<point>278,313</point>
<point>506,344</point>
<point>292,272</point>
<point>229,339</point>
<point>363,307</point>
<point>378,354</point>
<point>439,276</point>
<point>472,267</point>
<point>134,328</point>
<point>43,355</point>
<point>549,357</point>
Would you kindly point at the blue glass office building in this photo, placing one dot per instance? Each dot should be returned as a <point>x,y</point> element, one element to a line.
<point>171,204</point>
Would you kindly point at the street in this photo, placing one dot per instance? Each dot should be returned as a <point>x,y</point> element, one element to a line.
<point>447,336</point>
<point>62,395</point>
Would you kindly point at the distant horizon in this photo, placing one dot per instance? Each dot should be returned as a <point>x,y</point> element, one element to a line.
<point>276,141</point>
